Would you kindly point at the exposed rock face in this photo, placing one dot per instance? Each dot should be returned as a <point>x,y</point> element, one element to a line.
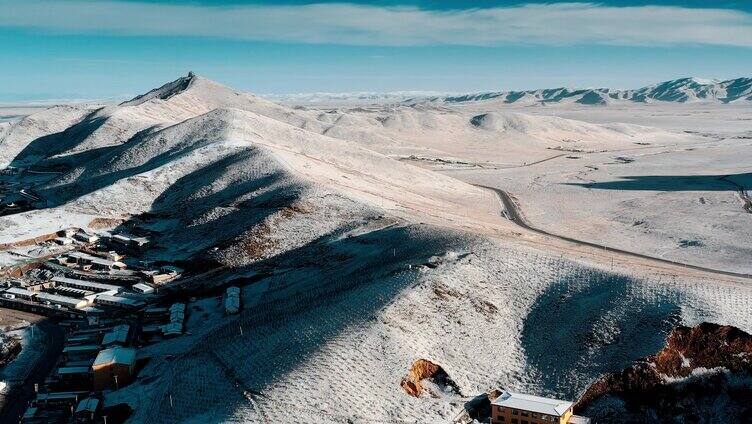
<point>423,369</point>
<point>702,374</point>
<point>9,348</point>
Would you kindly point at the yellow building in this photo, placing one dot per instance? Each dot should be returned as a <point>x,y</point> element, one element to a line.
<point>113,368</point>
<point>518,408</point>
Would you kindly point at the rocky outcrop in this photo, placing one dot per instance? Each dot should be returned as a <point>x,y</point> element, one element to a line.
<point>701,372</point>
<point>425,370</point>
<point>10,347</point>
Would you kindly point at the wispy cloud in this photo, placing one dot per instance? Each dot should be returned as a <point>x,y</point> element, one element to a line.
<point>549,24</point>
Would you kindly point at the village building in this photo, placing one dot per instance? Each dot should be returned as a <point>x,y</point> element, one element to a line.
<point>18,292</point>
<point>142,288</point>
<point>52,399</point>
<point>62,301</point>
<point>117,301</point>
<point>171,269</point>
<point>101,264</point>
<point>114,256</point>
<point>74,377</point>
<point>72,292</point>
<point>86,237</point>
<point>80,352</point>
<point>83,339</point>
<point>232,300</point>
<point>87,411</point>
<point>114,368</point>
<point>119,335</point>
<point>86,285</point>
<point>156,312</point>
<point>64,241</point>
<point>65,260</point>
<point>177,317</point>
<point>518,408</point>
<point>129,241</point>
<point>88,262</point>
<point>68,232</point>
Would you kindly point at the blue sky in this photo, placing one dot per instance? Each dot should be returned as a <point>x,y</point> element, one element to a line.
<point>63,49</point>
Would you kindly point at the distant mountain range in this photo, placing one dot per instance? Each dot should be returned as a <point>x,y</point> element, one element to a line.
<point>684,90</point>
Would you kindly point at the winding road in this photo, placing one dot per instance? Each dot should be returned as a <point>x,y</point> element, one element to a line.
<point>513,214</point>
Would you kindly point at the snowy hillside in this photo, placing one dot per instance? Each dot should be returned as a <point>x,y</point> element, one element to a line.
<point>194,128</point>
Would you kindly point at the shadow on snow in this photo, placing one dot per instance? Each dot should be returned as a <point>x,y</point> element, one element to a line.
<point>674,183</point>
<point>590,323</point>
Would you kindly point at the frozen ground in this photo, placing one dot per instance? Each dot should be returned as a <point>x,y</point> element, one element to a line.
<point>360,249</point>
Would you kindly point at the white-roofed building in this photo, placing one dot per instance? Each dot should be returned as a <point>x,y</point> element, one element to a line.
<point>64,241</point>
<point>85,285</point>
<point>117,336</point>
<point>87,410</point>
<point>177,317</point>
<point>20,293</point>
<point>117,301</point>
<point>143,288</point>
<point>519,408</point>
<point>68,302</point>
<point>232,300</point>
<point>85,237</point>
<point>114,368</point>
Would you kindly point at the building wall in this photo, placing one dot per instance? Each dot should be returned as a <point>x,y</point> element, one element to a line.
<point>501,415</point>
<point>104,376</point>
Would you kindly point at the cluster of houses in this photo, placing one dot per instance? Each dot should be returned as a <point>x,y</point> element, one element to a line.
<point>112,305</point>
<point>90,278</point>
<point>73,297</point>
<point>164,321</point>
<point>95,360</point>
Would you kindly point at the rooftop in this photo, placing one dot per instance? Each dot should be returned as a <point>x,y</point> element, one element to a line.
<point>125,301</point>
<point>116,355</point>
<point>531,403</point>
<point>88,404</point>
<point>119,334</point>
<point>73,370</point>
<point>64,300</point>
<point>84,283</point>
<point>20,291</point>
<point>143,287</point>
<point>83,348</point>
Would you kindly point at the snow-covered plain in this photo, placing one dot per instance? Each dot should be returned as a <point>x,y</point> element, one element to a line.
<point>360,249</point>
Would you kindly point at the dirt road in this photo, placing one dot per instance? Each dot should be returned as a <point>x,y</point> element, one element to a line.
<point>512,212</point>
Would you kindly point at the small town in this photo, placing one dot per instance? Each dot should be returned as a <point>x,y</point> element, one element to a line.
<point>109,304</point>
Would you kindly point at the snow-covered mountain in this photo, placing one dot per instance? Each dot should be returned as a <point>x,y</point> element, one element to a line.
<point>682,90</point>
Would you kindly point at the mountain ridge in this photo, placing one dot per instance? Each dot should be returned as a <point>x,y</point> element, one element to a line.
<point>682,90</point>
